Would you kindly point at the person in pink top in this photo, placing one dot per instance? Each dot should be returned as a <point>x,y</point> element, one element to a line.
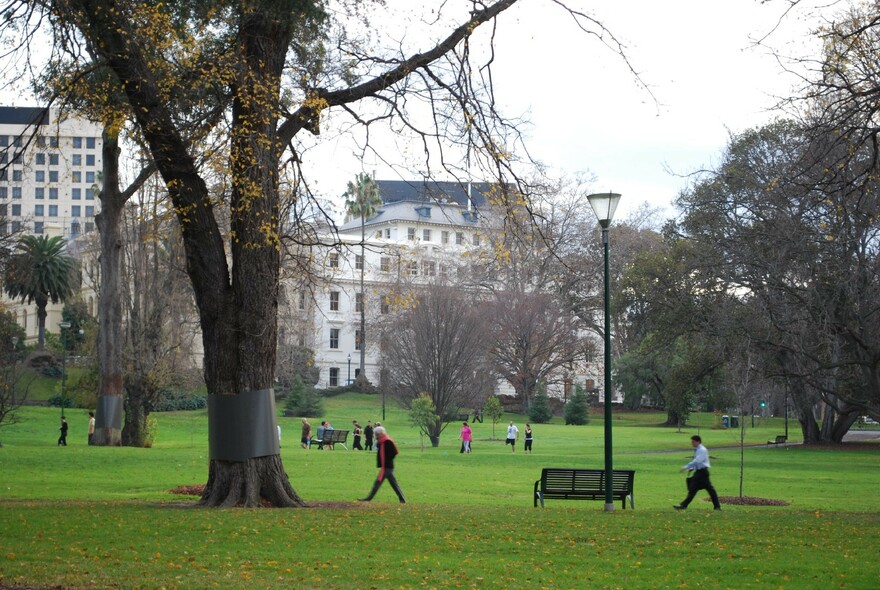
<point>465,438</point>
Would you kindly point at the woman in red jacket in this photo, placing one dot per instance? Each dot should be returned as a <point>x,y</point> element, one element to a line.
<point>386,451</point>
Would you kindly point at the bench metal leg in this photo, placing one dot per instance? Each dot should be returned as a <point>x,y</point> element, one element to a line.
<point>541,498</point>
<point>632,502</point>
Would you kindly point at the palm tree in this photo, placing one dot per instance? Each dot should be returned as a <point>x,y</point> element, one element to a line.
<point>362,199</point>
<point>40,272</point>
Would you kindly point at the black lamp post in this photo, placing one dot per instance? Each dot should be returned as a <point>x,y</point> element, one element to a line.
<point>348,382</point>
<point>604,205</point>
<point>63,326</point>
<point>14,366</point>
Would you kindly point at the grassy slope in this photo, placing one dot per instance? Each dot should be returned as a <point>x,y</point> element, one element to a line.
<point>96,517</point>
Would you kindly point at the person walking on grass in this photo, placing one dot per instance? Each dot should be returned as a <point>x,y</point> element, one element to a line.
<point>512,435</point>
<point>368,436</point>
<point>305,438</point>
<point>62,440</point>
<point>466,437</point>
<point>357,435</point>
<point>91,428</point>
<point>699,479</point>
<point>528,446</point>
<point>387,451</point>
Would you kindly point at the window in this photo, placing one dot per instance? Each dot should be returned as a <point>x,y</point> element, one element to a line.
<point>358,262</point>
<point>76,176</point>
<point>334,300</point>
<point>39,193</point>
<point>385,264</point>
<point>90,177</point>
<point>74,228</point>
<point>16,227</point>
<point>76,160</point>
<point>40,159</point>
<point>3,210</point>
<point>444,237</point>
<point>429,268</point>
<point>53,142</point>
<point>53,210</point>
<point>90,159</point>
<point>385,304</point>
<point>379,235</point>
<point>4,174</point>
<point>16,175</point>
<point>74,211</point>
<point>413,269</point>
<point>90,194</point>
<point>4,157</point>
<point>76,194</point>
<point>90,211</point>
<point>334,260</point>
<point>334,337</point>
<point>302,299</point>
<point>16,210</point>
<point>4,140</point>
<point>359,302</point>
<point>16,192</point>
<point>16,141</point>
<point>334,377</point>
<point>357,339</point>
<point>90,143</point>
<point>16,158</point>
<point>53,159</point>
<point>476,239</point>
<point>426,235</point>
<point>38,210</point>
<point>40,176</point>
<point>444,271</point>
<point>89,226</point>
<point>77,142</point>
<point>4,192</point>
<point>388,233</point>
<point>53,194</point>
<point>38,227</point>
<point>53,176</point>
<point>411,234</point>
<point>459,238</point>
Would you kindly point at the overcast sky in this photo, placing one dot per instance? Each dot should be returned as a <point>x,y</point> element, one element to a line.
<point>587,111</point>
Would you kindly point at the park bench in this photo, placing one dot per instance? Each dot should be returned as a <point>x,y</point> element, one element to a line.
<point>780,439</point>
<point>583,484</point>
<point>332,437</point>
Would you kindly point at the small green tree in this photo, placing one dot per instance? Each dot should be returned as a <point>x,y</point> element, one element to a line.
<point>540,411</point>
<point>302,400</point>
<point>494,410</point>
<point>577,410</point>
<point>423,415</point>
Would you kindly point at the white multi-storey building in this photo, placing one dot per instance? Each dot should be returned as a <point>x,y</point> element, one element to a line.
<point>49,168</point>
<point>422,232</point>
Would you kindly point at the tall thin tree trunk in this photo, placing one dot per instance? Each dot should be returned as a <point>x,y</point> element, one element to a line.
<point>362,378</point>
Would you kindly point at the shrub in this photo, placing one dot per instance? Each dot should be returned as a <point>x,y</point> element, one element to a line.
<point>577,410</point>
<point>150,429</point>
<point>169,400</point>
<point>540,411</point>
<point>56,401</point>
<point>303,400</point>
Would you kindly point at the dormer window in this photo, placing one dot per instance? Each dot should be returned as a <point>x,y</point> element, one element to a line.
<point>424,211</point>
<point>470,216</point>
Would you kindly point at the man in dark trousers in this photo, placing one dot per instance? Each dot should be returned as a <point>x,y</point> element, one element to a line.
<point>387,450</point>
<point>368,436</point>
<point>700,478</point>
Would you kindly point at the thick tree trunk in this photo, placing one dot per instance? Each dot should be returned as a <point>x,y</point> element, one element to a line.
<point>108,415</point>
<point>249,484</point>
<point>135,430</point>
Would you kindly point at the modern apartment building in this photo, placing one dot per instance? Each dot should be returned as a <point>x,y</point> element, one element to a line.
<point>49,170</point>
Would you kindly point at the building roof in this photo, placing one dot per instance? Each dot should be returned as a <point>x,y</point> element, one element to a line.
<point>393,191</point>
<point>24,116</point>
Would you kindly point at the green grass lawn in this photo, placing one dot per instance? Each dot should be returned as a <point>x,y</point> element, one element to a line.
<point>90,517</point>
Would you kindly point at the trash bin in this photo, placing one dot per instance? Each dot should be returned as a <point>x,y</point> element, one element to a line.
<point>734,421</point>
<point>725,421</point>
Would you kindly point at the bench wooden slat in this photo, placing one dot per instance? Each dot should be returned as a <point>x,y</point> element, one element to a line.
<point>583,484</point>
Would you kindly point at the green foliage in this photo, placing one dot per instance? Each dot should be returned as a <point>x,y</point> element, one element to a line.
<point>540,411</point>
<point>493,410</point>
<point>303,400</point>
<point>172,400</point>
<point>423,415</point>
<point>57,401</point>
<point>577,410</point>
<point>9,330</point>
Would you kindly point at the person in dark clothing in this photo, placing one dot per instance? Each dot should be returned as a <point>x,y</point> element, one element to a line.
<point>368,436</point>
<point>62,440</point>
<point>700,478</point>
<point>357,435</point>
<point>387,450</point>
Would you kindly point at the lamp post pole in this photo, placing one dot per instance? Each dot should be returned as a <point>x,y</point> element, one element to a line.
<point>604,205</point>
<point>14,366</point>
<point>348,381</point>
<point>63,326</point>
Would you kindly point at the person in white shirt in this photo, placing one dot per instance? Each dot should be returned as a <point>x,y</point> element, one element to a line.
<point>512,435</point>
<point>700,478</point>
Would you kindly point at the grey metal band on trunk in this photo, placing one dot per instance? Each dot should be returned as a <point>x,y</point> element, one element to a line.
<point>108,413</point>
<point>243,426</point>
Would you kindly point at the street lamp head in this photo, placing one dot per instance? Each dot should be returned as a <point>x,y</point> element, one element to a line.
<point>63,325</point>
<point>604,205</point>
<point>349,357</point>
